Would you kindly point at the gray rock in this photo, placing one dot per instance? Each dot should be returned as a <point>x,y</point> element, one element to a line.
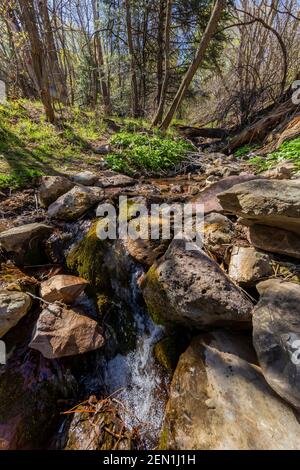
<point>61,332</point>
<point>267,202</point>
<point>87,178</point>
<point>218,233</point>
<point>103,149</point>
<point>219,400</point>
<point>275,240</point>
<point>52,187</point>
<point>276,337</point>
<point>248,266</point>
<point>74,203</point>
<point>23,244</point>
<point>110,179</point>
<point>189,288</point>
<point>208,197</point>
<point>13,306</point>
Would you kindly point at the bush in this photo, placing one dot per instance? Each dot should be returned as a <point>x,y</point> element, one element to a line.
<point>288,151</point>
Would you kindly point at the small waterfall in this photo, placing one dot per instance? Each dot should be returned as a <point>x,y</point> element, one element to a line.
<point>142,382</point>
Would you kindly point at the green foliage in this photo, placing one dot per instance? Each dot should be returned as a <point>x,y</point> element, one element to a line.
<point>288,151</point>
<point>245,150</point>
<point>146,153</point>
<point>30,146</point>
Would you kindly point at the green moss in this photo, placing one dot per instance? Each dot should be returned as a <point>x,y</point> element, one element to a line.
<point>163,442</point>
<point>155,297</point>
<point>103,304</point>
<point>167,354</point>
<point>87,260</point>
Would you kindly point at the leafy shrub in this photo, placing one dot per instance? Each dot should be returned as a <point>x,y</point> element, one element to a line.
<point>289,150</point>
<point>150,154</point>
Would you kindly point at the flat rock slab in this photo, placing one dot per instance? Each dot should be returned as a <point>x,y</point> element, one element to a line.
<point>61,332</point>
<point>208,197</point>
<point>219,400</point>
<point>108,179</point>
<point>189,288</point>
<point>267,202</point>
<point>13,307</point>
<point>63,288</point>
<point>276,337</point>
<point>23,244</point>
<point>87,178</point>
<point>275,240</point>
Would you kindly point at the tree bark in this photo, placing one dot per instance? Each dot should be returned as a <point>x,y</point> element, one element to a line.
<point>160,111</point>
<point>134,86</point>
<point>200,54</point>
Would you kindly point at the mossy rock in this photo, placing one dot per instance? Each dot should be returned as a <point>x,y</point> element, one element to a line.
<point>168,350</point>
<point>155,297</point>
<point>87,259</point>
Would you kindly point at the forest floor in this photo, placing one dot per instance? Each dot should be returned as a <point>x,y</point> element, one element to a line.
<point>31,147</point>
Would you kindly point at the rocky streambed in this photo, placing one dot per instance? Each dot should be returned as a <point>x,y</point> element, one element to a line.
<point>124,344</point>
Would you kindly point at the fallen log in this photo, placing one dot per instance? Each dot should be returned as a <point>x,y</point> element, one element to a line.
<point>190,132</point>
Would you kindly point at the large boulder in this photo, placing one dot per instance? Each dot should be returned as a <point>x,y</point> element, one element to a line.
<point>24,244</point>
<point>275,240</point>
<point>219,400</point>
<point>187,287</point>
<point>13,306</point>
<point>63,288</point>
<point>52,187</point>
<point>74,203</point>
<point>276,337</point>
<point>208,197</point>
<point>266,202</point>
<point>61,332</point>
<point>249,266</point>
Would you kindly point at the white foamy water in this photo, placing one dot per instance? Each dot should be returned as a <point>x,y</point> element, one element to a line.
<point>142,381</point>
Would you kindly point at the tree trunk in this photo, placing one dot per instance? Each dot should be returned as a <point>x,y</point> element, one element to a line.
<point>134,87</point>
<point>37,53</point>
<point>200,54</point>
<point>160,111</point>
<point>160,50</point>
<point>100,60</point>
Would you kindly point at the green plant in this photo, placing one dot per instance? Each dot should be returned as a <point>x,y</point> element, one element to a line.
<point>288,151</point>
<point>245,150</point>
<point>146,153</point>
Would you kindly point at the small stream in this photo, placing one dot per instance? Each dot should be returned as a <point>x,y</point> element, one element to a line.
<point>141,380</point>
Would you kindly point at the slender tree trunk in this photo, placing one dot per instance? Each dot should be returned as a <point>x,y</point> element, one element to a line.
<point>200,54</point>
<point>160,111</point>
<point>99,58</point>
<point>160,50</point>
<point>37,53</point>
<point>134,86</point>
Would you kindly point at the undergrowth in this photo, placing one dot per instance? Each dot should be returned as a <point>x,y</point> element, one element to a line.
<point>288,151</point>
<point>146,153</point>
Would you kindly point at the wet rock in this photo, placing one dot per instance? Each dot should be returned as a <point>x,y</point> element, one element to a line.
<point>61,332</point>
<point>24,244</point>
<point>63,288</point>
<point>276,337</point>
<point>30,387</point>
<point>13,306</point>
<point>248,266</point>
<point>219,400</point>
<point>87,178</point>
<point>74,203</point>
<point>208,196</point>
<point>189,288</point>
<point>265,202</point>
<point>275,240</point>
<point>112,179</point>
<point>52,187</point>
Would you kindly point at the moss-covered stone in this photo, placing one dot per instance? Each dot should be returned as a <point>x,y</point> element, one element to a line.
<point>87,259</point>
<point>168,350</point>
<point>155,296</point>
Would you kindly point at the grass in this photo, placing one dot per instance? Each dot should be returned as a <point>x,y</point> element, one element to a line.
<point>245,150</point>
<point>30,146</point>
<point>153,154</point>
<point>288,151</point>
